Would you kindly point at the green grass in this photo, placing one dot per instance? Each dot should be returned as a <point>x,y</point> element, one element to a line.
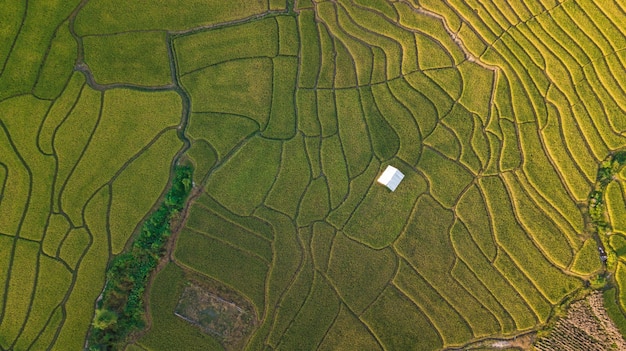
<point>87,286</point>
<point>137,188</point>
<point>70,142</point>
<point>22,279</point>
<point>615,205</point>
<point>203,156</point>
<point>385,25</point>
<point>321,244</point>
<point>289,39</point>
<point>58,111</point>
<point>146,15</point>
<point>315,203</point>
<point>553,283</point>
<point>345,70</point>
<point>131,58</point>
<point>313,146</point>
<point>542,230</point>
<point>327,110</point>
<point>5,258</point>
<point>242,87</point>
<point>348,333</point>
<point>291,301</point>
<point>477,89</point>
<point>587,259</point>
<point>327,66</point>
<point>544,179</point>
<point>576,178</point>
<point>421,108</point>
<point>256,225</point>
<point>208,48</point>
<point>57,67</point>
<point>282,123</point>
<point>130,118</point>
<point>353,131</point>
<point>572,136</point>
<point>445,318</point>
<point>496,284</point>
<point>169,331</point>
<point>277,4</point>
<point>381,216</point>
<point>620,279</point>
<point>524,286</point>
<point>222,131</point>
<point>462,123</point>
<point>283,267</point>
<point>448,79</point>
<point>53,281</point>
<point>241,183</point>
<point>22,67</point>
<point>426,246</point>
<point>445,141</point>
<point>96,219</point>
<point>314,318</point>
<point>429,29</point>
<point>206,222</point>
<point>472,212</point>
<point>399,325</point>
<point>358,188</point>
<point>328,14</point>
<point>430,54</point>
<point>306,105</point>
<point>39,168</point>
<point>353,19</point>
<point>349,270</point>
<point>447,179</point>
<point>402,121</point>
<point>12,16</point>
<point>239,270</point>
<point>335,168</point>
<point>74,246</point>
<point>385,141</point>
<point>617,241</point>
<point>292,179</point>
<point>293,115</point>
<point>614,310</point>
<point>431,91</point>
<point>48,334</point>
<point>468,280</point>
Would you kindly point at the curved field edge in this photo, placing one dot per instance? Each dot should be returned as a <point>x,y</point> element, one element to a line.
<point>494,121</point>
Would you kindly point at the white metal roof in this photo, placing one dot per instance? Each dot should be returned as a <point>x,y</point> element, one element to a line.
<point>391,177</point>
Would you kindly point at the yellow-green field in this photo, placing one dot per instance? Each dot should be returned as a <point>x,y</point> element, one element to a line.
<point>498,113</point>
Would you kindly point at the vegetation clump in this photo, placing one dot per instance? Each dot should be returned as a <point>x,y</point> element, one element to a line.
<point>120,310</point>
<point>597,208</point>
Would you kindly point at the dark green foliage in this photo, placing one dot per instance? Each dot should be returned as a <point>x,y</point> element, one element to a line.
<point>121,309</point>
<point>385,140</point>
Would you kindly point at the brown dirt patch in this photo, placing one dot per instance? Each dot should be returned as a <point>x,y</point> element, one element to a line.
<point>586,327</point>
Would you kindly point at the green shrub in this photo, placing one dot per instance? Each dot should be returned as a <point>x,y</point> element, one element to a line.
<point>121,309</point>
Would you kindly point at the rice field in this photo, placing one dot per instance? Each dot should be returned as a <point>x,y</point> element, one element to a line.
<point>506,119</point>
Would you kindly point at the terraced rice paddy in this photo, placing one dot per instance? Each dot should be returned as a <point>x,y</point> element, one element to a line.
<point>498,113</point>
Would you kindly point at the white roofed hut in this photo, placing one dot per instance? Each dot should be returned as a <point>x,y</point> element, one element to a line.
<point>391,177</point>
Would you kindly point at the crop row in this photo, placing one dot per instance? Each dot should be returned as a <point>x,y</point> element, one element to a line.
<point>484,153</point>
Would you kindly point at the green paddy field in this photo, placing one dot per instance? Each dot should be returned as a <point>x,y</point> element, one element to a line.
<point>507,119</point>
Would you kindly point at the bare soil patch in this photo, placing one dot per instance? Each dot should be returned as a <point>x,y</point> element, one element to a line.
<point>586,327</point>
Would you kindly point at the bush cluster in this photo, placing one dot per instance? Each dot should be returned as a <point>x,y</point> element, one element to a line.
<point>120,311</point>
